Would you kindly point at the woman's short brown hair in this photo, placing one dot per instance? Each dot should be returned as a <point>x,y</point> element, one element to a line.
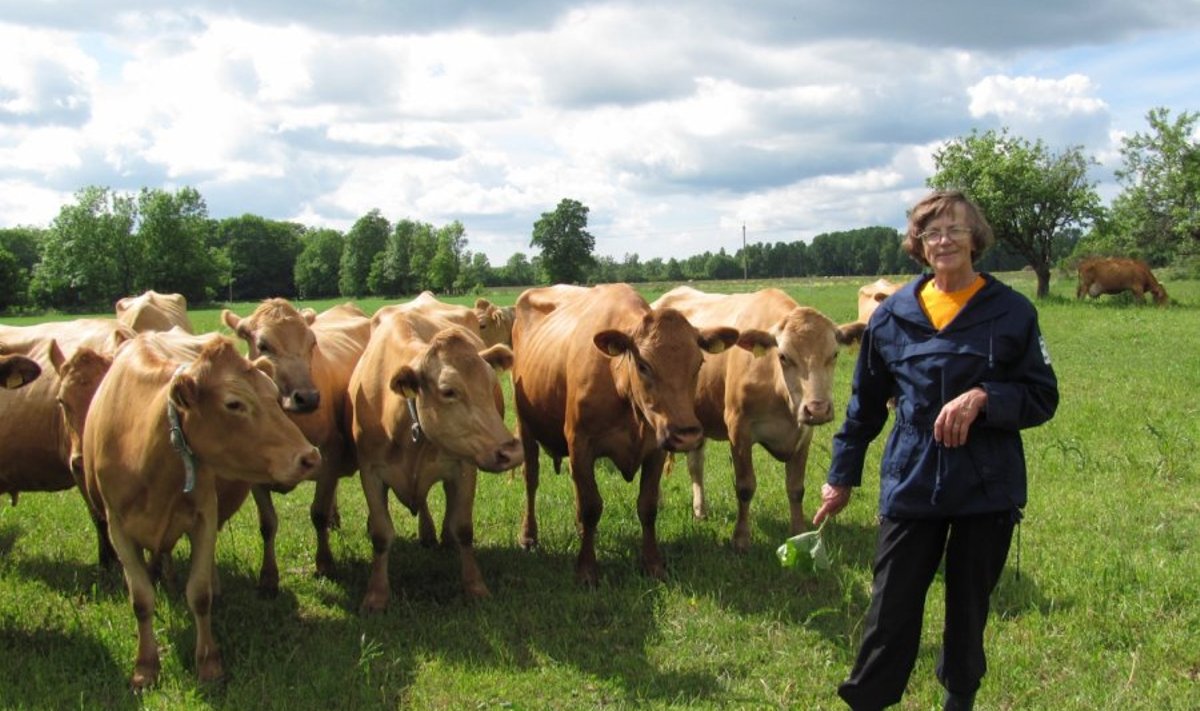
<point>935,205</point>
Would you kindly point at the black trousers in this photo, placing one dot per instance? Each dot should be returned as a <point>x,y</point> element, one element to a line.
<point>906,559</point>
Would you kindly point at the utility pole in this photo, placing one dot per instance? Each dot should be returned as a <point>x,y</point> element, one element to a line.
<point>745,269</point>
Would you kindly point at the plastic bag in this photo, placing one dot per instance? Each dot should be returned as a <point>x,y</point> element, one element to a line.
<point>805,552</point>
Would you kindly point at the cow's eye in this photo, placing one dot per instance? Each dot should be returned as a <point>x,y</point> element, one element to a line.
<point>448,393</point>
<point>644,369</point>
<point>263,347</point>
<point>235,406</point>
<point>783,360</point>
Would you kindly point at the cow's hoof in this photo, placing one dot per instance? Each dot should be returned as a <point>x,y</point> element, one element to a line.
<point>587,577</point>
<point>657,571</point>
<point>527,543</point>
<point>144,677</point>
<point>741,546</point>
<point>373,605</point>
<point>477,592</point>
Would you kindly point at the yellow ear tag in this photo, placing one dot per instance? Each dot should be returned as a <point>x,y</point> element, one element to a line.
<point>14,381</point>
<point>613,350</point>
<point>409,393</point>
<point>759,351</point>
<point>718,347</point>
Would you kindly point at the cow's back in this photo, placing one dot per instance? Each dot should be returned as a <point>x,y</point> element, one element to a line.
<point>152,311</point>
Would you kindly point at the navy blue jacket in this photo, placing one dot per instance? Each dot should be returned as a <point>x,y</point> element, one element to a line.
<point>994,343</point>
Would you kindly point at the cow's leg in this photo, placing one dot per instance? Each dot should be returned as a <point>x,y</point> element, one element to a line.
<point>528,536</point>
<point>141,596</point>
<point>744,486</point>
<point>795,467</point>
<point>324,506</point>
<point>200,594</point>
<point>460,517</point>
<point>588,509</point>
<point>268,524</point>
<point>105,553</point>
<point>695,464</point>
<point>1139,293</point>
<point>647,507</point>
<point>382,533</point>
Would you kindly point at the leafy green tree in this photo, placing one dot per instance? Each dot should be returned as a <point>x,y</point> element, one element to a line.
<point>1158,210</point>
<point>424,247</point>
<point>722,266</point>
<point>1031,197</point>
<point>172,230</point>
<point>566,245</point>
<point>262,256</point>
<point>89,257</point>
<point>23,245</point>
<point>394,272</point>
<point>517,271</point>
<point>447,257</point>
<point>316,271</point>
<point>476,273</point>
<point>366,239</point>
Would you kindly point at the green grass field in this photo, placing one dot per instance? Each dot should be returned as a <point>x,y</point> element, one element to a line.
<point>1102,611</point>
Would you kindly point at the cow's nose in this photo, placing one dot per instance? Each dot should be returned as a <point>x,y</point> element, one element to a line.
<point>682,439</point>
<point>303,401</point>
<point>817,412</point>
<point>310,460</point>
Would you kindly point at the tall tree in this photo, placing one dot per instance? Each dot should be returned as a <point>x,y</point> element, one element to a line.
<point>88,258</point>
<point>366,239</point>
<point>1159,207</point>
<point>316,271</point>
<point>23,246</point>
<point>567,247</point>
<point>517,271</point>
<point>262,255</point>
<point>172,230</point>
<point>1032,198</point>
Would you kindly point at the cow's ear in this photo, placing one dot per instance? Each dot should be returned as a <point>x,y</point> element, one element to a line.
<point>17,371</point>
<point>482,304</point>
<point>120,336</point>
<point>499,357</point>
<point>406,382</point>
<point>122,304</point>
<point>309,315</point>
<point>717,340</point>
<point>230,319</point>
<point>57,359</point>
<point>613,343</point>
<point>266,366</point>
<point>184,391</point>
<point>757,341</point>
<point>852,332</point>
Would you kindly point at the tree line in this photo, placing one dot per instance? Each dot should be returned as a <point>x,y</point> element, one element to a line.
<point>1043,209</point>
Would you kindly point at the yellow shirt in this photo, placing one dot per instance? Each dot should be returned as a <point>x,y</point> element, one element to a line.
<point>942,306</point>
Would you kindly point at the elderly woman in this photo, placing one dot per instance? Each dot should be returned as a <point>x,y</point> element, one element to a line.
<point>962,355</point>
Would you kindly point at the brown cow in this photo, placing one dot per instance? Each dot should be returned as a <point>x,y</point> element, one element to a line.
<point>426,406</point>
<point>490,322</point>
<point>17,371</point>
<point>1112,275</point>
<point>153,311</point>
<point>159,438</point>
<point>599,373</point>
<point>35,447</point>
<point>314,355</point>
<point>872,295</point>
<point>748,399</point>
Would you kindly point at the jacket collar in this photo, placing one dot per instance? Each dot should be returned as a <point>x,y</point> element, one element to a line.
<point>983,306</point>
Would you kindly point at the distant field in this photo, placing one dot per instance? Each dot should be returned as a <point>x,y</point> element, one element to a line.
<point>1099,607</point>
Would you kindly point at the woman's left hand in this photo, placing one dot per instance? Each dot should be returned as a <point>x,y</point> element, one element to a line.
<point>954,421</point>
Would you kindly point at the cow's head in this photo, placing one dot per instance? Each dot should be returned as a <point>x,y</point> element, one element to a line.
<point>658,364</point>
<point>458,400</point>
<point>804,345</point>
<point>78,378</point>
<point>230,413</point>
<point>283,335</point>
<point>495,322</point>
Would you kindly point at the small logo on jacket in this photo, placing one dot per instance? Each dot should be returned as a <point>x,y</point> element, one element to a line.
<point>1045,350</point>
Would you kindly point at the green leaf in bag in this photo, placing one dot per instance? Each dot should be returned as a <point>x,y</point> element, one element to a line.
<point>805,551</point>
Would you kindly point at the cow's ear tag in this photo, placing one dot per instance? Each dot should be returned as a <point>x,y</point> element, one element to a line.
<point>759,351</point>
<point>14,381</point>
<point>718,347</point>
<point>613,350</point>
<point>408,392</point>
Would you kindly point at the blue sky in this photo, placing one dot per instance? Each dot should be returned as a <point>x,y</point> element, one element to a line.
<point>674,122</point>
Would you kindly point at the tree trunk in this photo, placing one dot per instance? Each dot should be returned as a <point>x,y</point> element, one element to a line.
<point>1043,277</point>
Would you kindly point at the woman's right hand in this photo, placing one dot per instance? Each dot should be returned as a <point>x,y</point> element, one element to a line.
<point>833,500</point>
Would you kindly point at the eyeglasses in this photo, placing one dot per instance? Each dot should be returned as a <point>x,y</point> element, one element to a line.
<point>956,234</point>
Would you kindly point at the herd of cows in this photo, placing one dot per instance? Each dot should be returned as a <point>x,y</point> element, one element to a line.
<point>167,433</point>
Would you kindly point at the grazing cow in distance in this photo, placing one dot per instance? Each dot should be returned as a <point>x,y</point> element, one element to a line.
<point>599,373</point>
<point>490,322</point>
<point>773,390</point>
<point>426,407</point>
<point>314,356</point>
<point>17,371</point>
<point>152,311</point>
<point>160,438</point>
<point>35,446</point>
<point>1112,275</point>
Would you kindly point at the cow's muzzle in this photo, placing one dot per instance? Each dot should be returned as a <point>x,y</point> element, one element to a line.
<point>301,401</point>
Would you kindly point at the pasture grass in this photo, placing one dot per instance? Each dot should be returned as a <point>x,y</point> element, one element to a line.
<point>1098,607</point>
